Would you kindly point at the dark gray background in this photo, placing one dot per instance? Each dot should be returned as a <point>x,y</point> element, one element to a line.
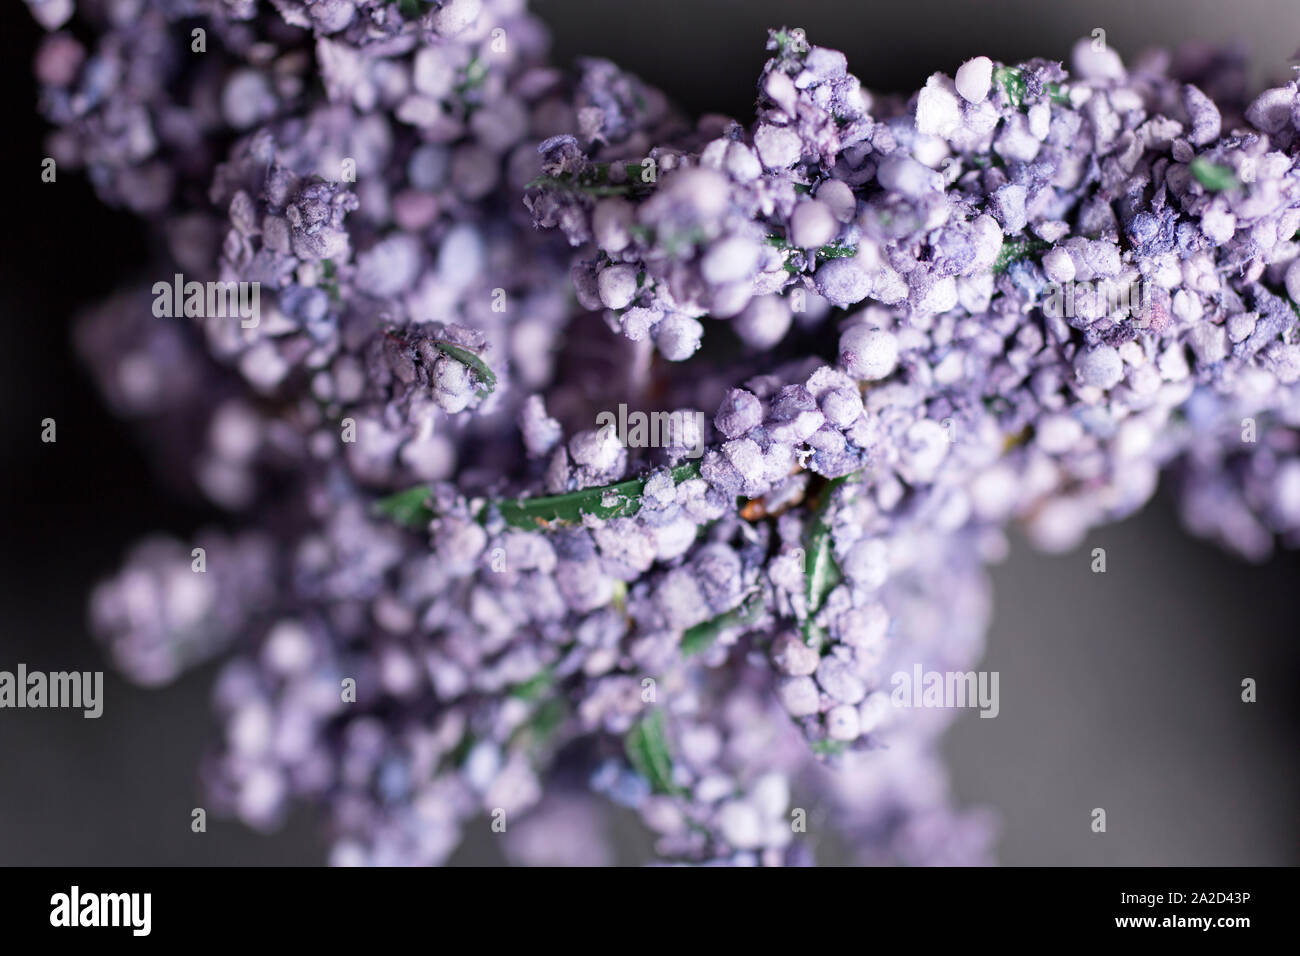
<point>1118,690</point>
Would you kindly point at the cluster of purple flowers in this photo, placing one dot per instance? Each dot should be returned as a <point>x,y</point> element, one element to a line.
<point>463,601</point>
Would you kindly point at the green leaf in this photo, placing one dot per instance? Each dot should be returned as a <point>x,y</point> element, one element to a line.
<point>1012,82</point>
<point>540,729</point>
<point>474,74</point>
<point>460,753</point>
<point>828,747</point>
<point>1013,250</point>
<point>533,688</point>
<point>594,181</point>
<point>793,42</point>
<point>618,500</point>
<point>487,379</point>
<point>409,507</point>
<point>836,250</point>
<point>329,281</point>
<point>567,183</point>
<point>619,598</point>
<point>700,638</point>
<point>833,250</point>
<point>821,570</point>
<point>646,746</point>
<point>1212,176</point>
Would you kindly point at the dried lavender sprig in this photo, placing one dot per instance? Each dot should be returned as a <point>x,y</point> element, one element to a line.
<point>1067,424</point>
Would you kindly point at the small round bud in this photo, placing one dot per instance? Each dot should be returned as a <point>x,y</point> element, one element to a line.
<point>868,354</point>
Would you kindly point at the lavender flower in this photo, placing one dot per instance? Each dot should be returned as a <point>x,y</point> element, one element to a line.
<point>475,596</point>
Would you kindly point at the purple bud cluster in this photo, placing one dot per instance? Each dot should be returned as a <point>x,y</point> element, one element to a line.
<point>464,596</point>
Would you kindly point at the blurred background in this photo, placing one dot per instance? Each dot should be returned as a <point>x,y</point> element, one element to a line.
<point>1118,690</point>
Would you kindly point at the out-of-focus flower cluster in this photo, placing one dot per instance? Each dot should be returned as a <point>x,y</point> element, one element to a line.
<point>464,601</point>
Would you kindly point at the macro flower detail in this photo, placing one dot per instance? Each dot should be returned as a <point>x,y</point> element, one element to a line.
<point>882,311</point>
